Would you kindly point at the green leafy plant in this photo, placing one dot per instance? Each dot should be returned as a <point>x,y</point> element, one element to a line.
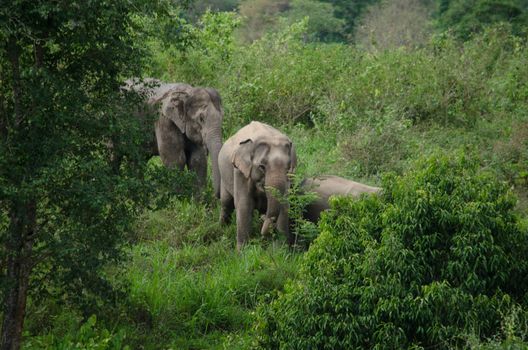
<point>297,198</point>
<point>88,337</point>
<point>440,253</point>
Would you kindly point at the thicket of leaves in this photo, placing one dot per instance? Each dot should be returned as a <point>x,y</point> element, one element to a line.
<point>439,255</point>
<point>280,79</point>
<point>61,65</point>
<point>466,18</point>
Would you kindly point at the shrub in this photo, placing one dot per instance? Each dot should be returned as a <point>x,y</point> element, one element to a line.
<point>393,24</point>
<point>279,79</point>
<point>466,18</point>
<point>512,156</point>
<point>378,148</point>
<point>439,254</point>
<point>201,51</point>
<point>88,337</point>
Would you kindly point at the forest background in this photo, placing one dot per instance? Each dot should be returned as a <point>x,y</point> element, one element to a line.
<point>425,98</point>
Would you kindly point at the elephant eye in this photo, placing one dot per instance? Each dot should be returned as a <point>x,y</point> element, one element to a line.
<point>262,167</point>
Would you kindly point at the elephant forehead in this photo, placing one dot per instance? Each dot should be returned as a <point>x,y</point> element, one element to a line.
<point>201,98</point>
<point>167,90</point>
<point>278,159</point>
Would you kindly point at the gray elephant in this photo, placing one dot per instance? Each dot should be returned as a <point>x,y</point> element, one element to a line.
<point>188,127</point>
<point>253,162</point>
<point>329,185</point>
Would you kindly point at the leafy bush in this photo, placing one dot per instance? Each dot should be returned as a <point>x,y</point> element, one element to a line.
<point>466,18</point>
<point>166,184</point>
<point>298,199</point>
<point>439,254</point>
<point>88,337</point>
<point>280,79</point>
<point>394,24</point>
<point>200,53</point>
<point>513,155</point>
<point>378,148</point>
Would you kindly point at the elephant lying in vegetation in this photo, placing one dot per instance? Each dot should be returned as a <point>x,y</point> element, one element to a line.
<point>188,127</point>
<point>253,162</point>
<point>328,185</point>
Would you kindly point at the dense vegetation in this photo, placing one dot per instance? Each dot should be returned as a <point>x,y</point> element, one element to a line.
<point>440,254</point>
<point>128,256</point>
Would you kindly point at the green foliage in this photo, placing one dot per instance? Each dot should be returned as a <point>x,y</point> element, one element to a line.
<point>166,184</point>
<point>379,148</point>
<point>282,80</point>
<point>181,222</point>
<point>193,296</point>
<point>260,17</point>
<point>349,11</point>
<point>466,18</point>
<point>394,24</point>
<point>198,8</point>
<point>88,337</point>
<point>512,155</point>
<point>297,198</point>
<point>70,197</point>
<point>322,25</point>
<point>439,254</point>
<point>207,48</point>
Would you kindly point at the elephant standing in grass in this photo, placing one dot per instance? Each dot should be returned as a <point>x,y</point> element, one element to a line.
<point>254,165</point>
<point>188,125</point>
<point>328,185</point>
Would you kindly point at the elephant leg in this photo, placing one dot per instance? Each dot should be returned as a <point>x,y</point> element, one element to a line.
<point>171,144</point>
<point>244,206</point>
<point>227,205</point>
<point>197,162</point>
<point>283,224</point>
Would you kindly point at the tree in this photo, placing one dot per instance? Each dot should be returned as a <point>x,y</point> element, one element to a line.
<point>64,209</point>
<point>349,11</point>
<point>322,25</point>
<point>260,16</point>
<point>393,24</point>
<point>465,18</point>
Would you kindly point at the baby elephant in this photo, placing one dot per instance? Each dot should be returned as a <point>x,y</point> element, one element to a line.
<point>327,185</point>
<point>254,165</point>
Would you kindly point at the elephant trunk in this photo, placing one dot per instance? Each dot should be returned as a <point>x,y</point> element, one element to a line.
<point>275,191</point>
<point>214,143</point>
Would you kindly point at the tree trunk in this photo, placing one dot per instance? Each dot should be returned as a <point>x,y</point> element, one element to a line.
<point>19,264</point>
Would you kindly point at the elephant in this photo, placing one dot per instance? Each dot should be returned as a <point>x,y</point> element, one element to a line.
<point>325,186</point>
<point>254,166</point>
<point>187,127</point>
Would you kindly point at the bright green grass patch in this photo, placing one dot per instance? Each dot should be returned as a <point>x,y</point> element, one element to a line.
<point>189,286</point>
<point>202,291</point>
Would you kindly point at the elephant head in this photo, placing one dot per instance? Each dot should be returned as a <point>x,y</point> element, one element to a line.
<point>266,163</point>
<point>198,113</point>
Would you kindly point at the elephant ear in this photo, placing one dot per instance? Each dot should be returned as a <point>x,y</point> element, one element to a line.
<point>173,107</point>
<point>293,159</point>
<point>242,157</point>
